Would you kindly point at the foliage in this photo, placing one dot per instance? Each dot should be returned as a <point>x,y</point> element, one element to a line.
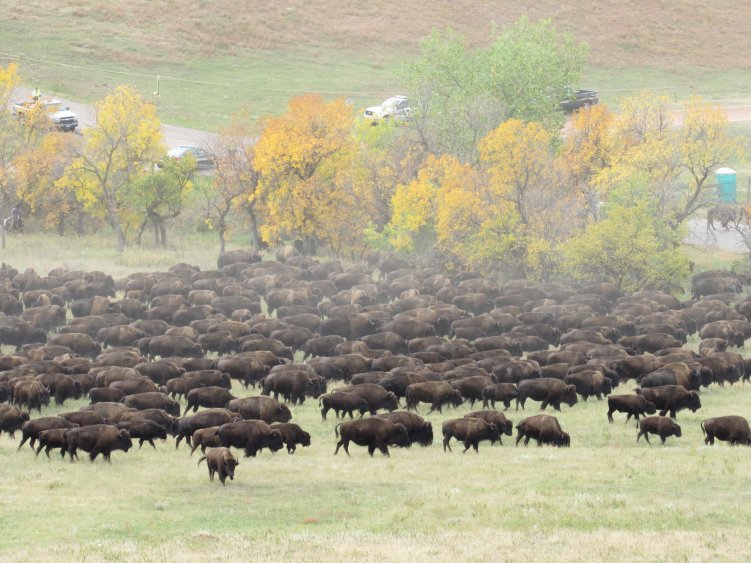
<point>530,64</point>
<point>590,148</point>
<point>39,170</point>
<point>161,195</point>
<point>296,156</point>
<point>236,182</point>
<point>631,247</point>
<point>458,95</point>
<point>125,140</point>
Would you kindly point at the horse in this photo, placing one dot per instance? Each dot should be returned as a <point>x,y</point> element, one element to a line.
<point>13,225</point>
<point>725,214</point>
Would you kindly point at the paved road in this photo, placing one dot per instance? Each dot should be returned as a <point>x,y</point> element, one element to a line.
<point>721,239</point>
<point>173,135</point>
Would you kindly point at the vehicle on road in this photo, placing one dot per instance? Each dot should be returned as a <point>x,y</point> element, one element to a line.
<point>62,117</point>
<point>204,159</point>
<point>395,109</point>
<point>573,100</point>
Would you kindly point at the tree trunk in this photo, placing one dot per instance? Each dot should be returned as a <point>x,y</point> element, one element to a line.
<point>255,241</point>
<point>141,229</point>
<point>163,232</point>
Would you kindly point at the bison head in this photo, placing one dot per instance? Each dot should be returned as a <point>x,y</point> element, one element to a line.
<point>676,431</point>
<point>694,403</point>
<point>569,395</point>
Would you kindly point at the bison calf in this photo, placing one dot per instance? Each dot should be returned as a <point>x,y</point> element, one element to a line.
<point>660,425</point>
<point>220,460</point>
<point>633,405</point>
<point>470,431</point>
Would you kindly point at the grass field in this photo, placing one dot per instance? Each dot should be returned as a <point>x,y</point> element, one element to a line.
<point>218,56</point>
<point>606,497</point>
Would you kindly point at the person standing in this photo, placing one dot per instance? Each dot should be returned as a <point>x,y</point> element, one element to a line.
<point>36,94</point>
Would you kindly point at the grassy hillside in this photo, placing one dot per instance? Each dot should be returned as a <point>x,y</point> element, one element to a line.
<point>258,54</point>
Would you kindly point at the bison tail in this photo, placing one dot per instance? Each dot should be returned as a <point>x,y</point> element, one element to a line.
<point>336,430</point>
<point>703,431</point>
<point>200,460</point>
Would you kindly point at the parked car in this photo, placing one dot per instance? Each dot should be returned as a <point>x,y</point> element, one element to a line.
<point>395,108</point>
<point>204,159</point>
<point>61,117</point>
<point>573,100</point>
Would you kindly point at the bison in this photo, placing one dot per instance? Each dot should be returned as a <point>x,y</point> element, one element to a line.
<point>543,428</point>
<point>731,428</point>
<point>548,390</point>
<point>97,439</point>
<point>671,398</point>
<point>437,393</point>
<point>660,425</point>
<point>375,433</point>
<point>220,460</point>
<point>470,431</point>
<point>633,405</point>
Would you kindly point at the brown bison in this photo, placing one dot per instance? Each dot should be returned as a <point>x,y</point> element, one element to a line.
<point>419,431</point>
<point>250,436</point>
<point>671,398</point>
<point>220,460</point>
<point>502,392</point>
<point>731,428</point>
<point>660,425</point>
<point>342,404</point>
<point>12,419</point>
<point>374,433</point>
<point>548,390</point>
<point>292,435</point>
<point>97,439</point>
<point>494,417</point>
<point>470,431</point>
<point>437,393</point>
<point>543,428</point>
<point>260,407</point>
<point>633,405</point>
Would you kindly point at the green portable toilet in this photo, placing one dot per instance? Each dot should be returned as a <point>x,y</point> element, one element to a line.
<point>726,185</point>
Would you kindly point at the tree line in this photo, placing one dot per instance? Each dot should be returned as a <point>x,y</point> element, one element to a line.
<point>486,174</point>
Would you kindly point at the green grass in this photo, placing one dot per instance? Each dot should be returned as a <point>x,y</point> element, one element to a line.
<point>606,497</point>
<point>419,503</point>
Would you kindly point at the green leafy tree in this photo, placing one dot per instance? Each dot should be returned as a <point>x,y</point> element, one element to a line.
<point>458,95</point>
<point>161,196</point>
<point>632,247</point>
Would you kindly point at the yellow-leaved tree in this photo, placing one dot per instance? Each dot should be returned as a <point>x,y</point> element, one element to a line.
<point>535,207</point>
<point>38,172</point>
<point>9,132</point>
<point>125,140</point>
<point>590,148</point>
<point>297,158</point>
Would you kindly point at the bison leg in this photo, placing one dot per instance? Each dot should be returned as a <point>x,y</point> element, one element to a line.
<point>709,440</point>
<point>384,448</point>
<point>211,473</point>
<point>324,410</point>
<point>371,449</point>
<point>178,438</point>
<point>485,404</point>
<point>519,438</point>
<point>291,448</point>
<point>663,438</point>
<point>610,415</point>
<point>39,449</point>
<point>151,441</point>
<point>193,448</point>
<point>446,440</point>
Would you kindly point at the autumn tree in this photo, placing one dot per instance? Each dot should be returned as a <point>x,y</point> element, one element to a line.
<point>124,142</point>
<point>675,160</point>
<point>9,132</point>
<point>39,171</point>
<point>296,156</point>
<point>591,146</point>
<point>631,247</point>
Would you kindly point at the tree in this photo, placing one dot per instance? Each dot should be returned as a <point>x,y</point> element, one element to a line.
<point>590,149</point>
<point>236,179</point>
<point>530,64</point>
<point>9,132</point>
<point>458,95</point>
<point>295,156</point>
<point>161,195</point>
<point>632,247</point>
<point>39,170</point>
<point>675,162</point>
<point>452,104</point>
<point>125,140</point>
<point>525,181</point>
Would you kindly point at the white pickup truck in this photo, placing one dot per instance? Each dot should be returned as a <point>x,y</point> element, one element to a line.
<point>62,117</point>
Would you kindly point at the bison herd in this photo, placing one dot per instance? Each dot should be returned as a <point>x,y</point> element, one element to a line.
<point>156,354</point>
